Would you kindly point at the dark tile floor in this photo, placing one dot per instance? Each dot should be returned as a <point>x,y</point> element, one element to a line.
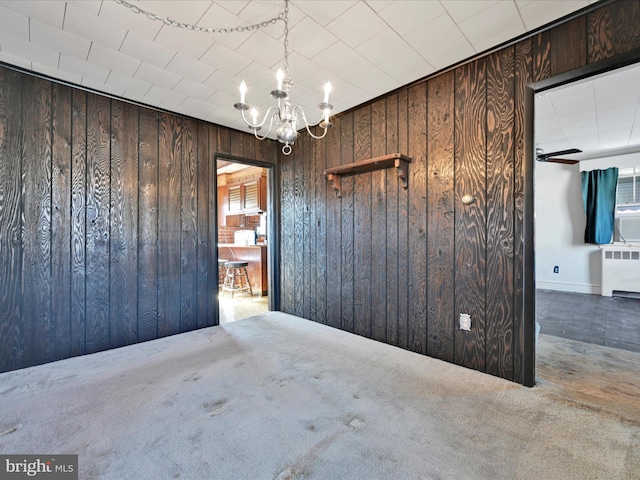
<point>609,321</point>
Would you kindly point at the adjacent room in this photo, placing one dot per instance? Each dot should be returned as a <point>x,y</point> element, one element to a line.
<point>287,239</point>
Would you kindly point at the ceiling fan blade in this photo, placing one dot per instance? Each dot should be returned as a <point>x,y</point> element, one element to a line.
<point>561,160</point>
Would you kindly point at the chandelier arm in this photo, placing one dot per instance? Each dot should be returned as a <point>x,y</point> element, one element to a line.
<point>255,131</point>
<point>299,109</point>
<point>264,119</point>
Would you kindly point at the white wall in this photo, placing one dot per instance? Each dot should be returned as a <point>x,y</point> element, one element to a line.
<point>560,223</point>
<point>559,232</point>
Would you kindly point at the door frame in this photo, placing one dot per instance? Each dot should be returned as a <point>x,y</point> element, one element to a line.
<point>529,280</point>
<point>273,237</point>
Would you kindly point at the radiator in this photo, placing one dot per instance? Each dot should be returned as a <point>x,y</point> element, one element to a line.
<point>620,269</point>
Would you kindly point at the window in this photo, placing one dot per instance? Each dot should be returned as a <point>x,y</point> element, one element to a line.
<point>628,205</point>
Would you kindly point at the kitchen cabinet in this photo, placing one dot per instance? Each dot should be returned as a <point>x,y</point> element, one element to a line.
<point>247,197</point>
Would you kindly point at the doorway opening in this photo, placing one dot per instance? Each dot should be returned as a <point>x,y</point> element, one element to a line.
<point>245,244</point>
<point>586,342</point>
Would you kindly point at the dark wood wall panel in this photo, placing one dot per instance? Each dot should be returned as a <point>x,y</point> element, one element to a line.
<point>61,220</point>
<point>379,224</point>
<point>107,221</point>
<point>347,243</point>
<point>417,251</point>
<point>36,201</point>
<point>124,225</point>
<point>97,224</point>
<point>11,325</point>
<point>362,226</point>
<point>320,209</point>
<point>500,213</point>
<point>392,287</point>
<point>470,224</point>
<point>568,46</point>
<point>609,30</point>
<point>440,208</point>
<point>404,260</point>
<point>147,325</point>
<point>78,221</point>
<point>334,232</point>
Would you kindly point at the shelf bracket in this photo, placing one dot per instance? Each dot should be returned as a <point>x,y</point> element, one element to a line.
<point>394,160</point>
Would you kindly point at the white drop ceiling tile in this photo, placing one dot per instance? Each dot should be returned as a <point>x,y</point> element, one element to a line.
<point>490,22</point>
<point>325,12</point>
<point>14,24</point>
<point>100,87</point>
<point>408,15</point>
<point>300,68</point>
<point>189,68</point>
<point>381,85</point>
<point>219,17</point>
<point>169,97</point>
<point>461,10</point>
<point>220,56</point>
<point>309,39</point>
<point>13,60</point>
<point>132,87</point>
<point>157,76</point>
<point>259,79</point>
<point>28,51</point>
<point>113,60</point>
<point>125,18</point>
<point>357,25</point>
<point>434,35</point>
<point>196,108</point>
<point>337,58</point>
<point>185,11</point>
<point>193,89</point>
<point>50,12</point>
<point>234,6</point>
<point>408,65</point>
<point>81,23</point>
<point>55,39</point>
<point>540,12</point>
<point>362,73</point>
<point>88,71</point>
<point>379,5</point>
<point>383,47</point>
<point>91,6</point>
<point>221,81</point>
<point>451,53</point>
<point>263,49</point>
<point>510,31</point>
<point>257,12</point>
<point>189,43</point>
<point>223,101</point>
<point>146,50</point>
<point>57,74</point>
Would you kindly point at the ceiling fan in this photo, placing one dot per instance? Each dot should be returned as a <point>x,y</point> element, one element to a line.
<point>553,156</point>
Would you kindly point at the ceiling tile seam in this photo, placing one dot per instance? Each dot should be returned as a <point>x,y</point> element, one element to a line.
<point>473,46</point>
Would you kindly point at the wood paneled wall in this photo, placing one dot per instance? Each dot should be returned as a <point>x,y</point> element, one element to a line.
<point>399,265</point>
<point>107,220</point>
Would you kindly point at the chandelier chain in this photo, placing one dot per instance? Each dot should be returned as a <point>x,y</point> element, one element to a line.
<point>285,18</point>
<point>282,16</point>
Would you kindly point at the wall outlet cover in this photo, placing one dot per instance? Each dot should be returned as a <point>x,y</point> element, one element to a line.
<point>465,321</point>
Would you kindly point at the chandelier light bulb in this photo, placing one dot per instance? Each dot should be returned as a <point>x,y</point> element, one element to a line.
<point>280,78</point>
<point>327,90</point>
<point>254,116</point>
<point>243,91</point>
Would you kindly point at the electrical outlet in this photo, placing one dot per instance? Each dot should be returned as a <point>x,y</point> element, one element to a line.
<point>465,321</point>
<point>556,269</point>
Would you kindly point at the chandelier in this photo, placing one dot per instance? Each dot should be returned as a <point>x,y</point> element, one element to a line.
<point>284,115</point>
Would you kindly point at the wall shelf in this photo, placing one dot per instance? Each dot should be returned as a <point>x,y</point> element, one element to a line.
<point>393,160</point>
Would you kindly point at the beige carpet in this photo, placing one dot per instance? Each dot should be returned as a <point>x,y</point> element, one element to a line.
<point>277,397</point>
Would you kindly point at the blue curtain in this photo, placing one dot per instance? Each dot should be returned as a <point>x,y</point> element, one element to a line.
<point>599,196</point>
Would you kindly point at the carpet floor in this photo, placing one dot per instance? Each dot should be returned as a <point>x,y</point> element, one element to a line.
<point>278,397</point>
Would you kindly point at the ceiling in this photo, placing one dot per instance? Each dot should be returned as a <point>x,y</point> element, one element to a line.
<point>599,115</point>
<point>365,48</point>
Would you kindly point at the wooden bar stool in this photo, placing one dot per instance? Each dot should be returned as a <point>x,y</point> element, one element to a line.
<point>222,271</point>
<point>237,278</point>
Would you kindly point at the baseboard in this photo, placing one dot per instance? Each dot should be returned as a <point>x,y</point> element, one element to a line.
<point>569,287</point>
